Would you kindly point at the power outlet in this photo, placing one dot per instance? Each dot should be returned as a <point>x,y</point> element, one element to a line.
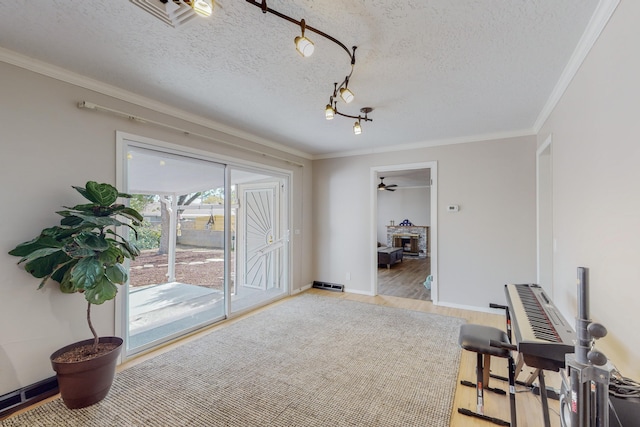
<point>348,276</point>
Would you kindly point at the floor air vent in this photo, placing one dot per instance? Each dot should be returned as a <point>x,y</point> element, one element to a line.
<point>26,396</point>
<point>328,286</point>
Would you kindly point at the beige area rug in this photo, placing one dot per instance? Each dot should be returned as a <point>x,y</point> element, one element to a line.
<point>309,361</point>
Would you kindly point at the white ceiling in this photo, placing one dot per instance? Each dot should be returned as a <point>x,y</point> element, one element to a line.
<point>433,70</point>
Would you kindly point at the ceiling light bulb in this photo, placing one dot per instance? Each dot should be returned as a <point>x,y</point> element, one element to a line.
<point>304,46</point>
<point>203,7</point>
<point>346,95</point>
<point>357,129</point>
<point>329,112</point>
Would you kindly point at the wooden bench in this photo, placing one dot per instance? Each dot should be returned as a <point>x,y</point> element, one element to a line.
<point>389,256</point>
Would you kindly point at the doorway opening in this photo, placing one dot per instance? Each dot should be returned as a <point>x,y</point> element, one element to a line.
<point>405,224</point>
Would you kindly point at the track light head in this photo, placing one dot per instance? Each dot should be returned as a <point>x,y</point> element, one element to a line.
<point>203,7</point>
<point>346,95</point>
<point>329,112</point>
<point>357,129</point>
<point>304,46</point>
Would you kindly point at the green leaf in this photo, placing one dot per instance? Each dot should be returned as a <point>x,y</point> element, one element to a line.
<point>73,250</point>
<point>92,241</point>
<point>96,221</point>
<point>82,208</point>
<point>69,220</point>
<point>39,242</point>
<point>84,193</point>
<point>38,253</point>
<point>46,265</point>
<point>103,291</point>
<point>130,213</point>
<point>62,270</point>
<point>58,273</point>
<point>58,233</point>
<point>102,194</point>
<point>111,256</point>
<point>116,274</point>
<point>129,249</point>
<point>66,285</point>
<point>135,232</point>
<point>86,273</point>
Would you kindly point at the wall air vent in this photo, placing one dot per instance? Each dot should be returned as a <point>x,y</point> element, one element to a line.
<point>171,12</point>
<point>328,286</point>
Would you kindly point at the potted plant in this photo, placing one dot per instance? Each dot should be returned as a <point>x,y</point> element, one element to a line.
<point>85,254</point>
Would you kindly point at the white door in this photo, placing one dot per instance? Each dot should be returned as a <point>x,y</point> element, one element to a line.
<point>260,235</point>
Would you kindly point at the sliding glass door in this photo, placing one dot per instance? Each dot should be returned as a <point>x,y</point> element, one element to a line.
<point>214,242</point>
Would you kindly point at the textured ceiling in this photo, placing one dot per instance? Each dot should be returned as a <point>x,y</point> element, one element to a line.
<point>433,70</point>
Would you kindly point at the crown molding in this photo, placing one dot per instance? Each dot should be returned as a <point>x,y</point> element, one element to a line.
<point>428,144</point>
<point>75,79</point>
<point>596,25</point>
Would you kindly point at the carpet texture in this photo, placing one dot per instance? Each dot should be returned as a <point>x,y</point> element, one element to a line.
<point>309,361</point>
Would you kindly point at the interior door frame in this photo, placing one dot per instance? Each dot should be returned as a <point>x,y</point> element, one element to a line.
<point>544,226</point>
<point>433,228</point>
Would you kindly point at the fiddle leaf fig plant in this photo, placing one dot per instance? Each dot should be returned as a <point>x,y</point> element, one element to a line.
<point>85,252</point>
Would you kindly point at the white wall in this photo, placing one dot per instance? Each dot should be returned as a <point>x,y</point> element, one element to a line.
<point>488,243</point>
<point>413,204</point>
<point>48,145</point>
<point>596,201</point>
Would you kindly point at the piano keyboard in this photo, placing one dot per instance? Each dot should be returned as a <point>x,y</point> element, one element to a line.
<point>542,334</point>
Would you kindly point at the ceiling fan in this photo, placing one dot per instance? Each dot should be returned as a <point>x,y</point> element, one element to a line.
<point>382,185</point>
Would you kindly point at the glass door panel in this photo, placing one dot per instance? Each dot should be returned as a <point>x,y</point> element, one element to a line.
<point>177,283</point>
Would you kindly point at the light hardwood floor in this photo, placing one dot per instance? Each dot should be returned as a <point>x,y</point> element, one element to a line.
<point>528,405</point>
<point>405,279</point>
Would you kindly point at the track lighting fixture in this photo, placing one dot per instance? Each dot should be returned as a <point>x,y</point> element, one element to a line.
<point>176,12</point>
<point>331,110</point>
<point>304,46</point>
<point>203,7</point>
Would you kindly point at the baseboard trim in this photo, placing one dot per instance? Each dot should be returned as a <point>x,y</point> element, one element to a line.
<point>18,399</point>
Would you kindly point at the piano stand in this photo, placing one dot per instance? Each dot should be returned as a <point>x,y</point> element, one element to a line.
<point>551,393</point>
<point>487,341</point>
<point>541,390</point>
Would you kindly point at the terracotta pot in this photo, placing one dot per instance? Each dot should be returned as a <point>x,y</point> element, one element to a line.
<point>86,382</point>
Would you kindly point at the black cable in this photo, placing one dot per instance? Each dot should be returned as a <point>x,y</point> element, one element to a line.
<point>623,387</point>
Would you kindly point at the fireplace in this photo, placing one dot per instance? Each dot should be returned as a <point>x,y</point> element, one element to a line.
<point>408,243</point>
<point>412,239</point>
